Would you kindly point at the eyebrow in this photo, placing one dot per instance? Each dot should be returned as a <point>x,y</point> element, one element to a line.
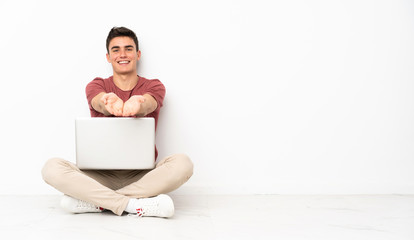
<point>127,46</point>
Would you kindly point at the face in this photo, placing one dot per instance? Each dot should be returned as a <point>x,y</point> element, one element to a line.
<point>123,55</point>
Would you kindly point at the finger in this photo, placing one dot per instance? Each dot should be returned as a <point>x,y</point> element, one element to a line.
<point>109,97</point>
<point>126,111</point>
<point>117,111</point>
<point>110,110</point>
<point>131,111</point>
<point>140,99</point>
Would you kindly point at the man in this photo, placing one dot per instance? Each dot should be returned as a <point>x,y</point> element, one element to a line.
<point>125,94</point>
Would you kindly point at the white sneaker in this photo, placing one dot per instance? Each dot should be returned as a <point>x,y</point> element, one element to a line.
<point>74,205</point>
<point>159,206</point>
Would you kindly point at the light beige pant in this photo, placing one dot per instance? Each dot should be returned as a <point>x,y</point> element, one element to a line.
<point>112,189</point>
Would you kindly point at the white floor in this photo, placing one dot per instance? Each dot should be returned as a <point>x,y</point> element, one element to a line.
<point>220,217</point>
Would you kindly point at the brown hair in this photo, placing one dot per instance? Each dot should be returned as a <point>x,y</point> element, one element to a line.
<point>121,32</point>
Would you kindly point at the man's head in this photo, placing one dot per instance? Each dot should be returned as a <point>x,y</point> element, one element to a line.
<point>122,51</point>
<point>121,32</point>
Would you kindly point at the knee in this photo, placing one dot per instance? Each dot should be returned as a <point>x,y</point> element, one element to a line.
<point>50,170</point>
<point>185,165</point>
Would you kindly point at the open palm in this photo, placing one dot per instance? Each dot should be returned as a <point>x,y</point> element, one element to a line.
<point>132,106</point>
<point>113,104</point>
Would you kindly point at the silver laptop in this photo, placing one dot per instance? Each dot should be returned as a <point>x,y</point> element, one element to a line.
<point>115,143</point>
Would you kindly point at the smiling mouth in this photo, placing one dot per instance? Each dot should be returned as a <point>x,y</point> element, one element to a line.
<point>123,62</point>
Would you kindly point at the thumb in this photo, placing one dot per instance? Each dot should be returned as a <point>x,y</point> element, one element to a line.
<point>105,97</point>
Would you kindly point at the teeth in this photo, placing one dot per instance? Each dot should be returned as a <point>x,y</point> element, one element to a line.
<point>122,62</point>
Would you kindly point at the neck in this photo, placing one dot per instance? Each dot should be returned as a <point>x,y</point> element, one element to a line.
<point>125,82</point>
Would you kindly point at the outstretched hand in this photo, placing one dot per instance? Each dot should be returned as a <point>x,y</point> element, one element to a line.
<point>132,106</point>
<point>113,104</point>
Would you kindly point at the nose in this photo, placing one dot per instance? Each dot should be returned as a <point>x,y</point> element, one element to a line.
<point>123,53</point>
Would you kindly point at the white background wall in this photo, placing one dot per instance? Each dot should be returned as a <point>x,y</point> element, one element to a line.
<point>265,96</point>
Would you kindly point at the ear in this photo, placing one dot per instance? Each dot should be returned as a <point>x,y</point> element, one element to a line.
<point>138,55</point>
<point>108,58</point>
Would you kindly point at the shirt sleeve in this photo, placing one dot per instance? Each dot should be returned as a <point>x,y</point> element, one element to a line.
<point>157,90</point>
<point>93,88</point>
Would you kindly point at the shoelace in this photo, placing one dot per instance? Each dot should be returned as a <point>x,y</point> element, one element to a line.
<point>151,208</point>
<point>140,213</point>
